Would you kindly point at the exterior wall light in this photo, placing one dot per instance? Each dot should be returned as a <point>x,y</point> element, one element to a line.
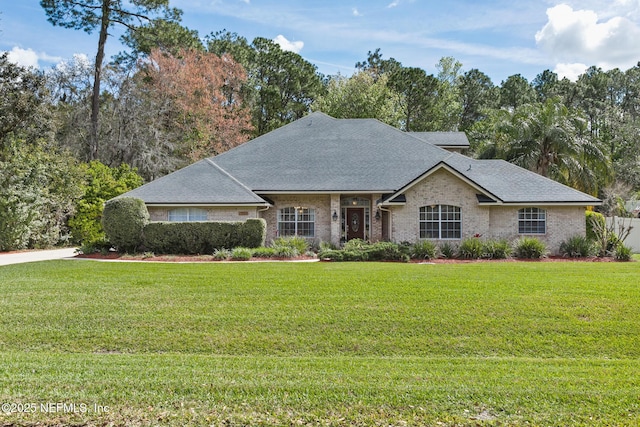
<point>334,216</point>
<point>378,215</point>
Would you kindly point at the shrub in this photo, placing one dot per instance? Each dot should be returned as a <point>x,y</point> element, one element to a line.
<point>264,252</point>
<point>241,254</point>
<point>448,250</point>
<point>101,183</point>
<point>360,250</point>
<point>285,252</point>
<point>424,249</point>
<point>623,252</point>
<point>595,221</point>
<point>299,244</point>
<point>577,247</point>
<point>471,248</point>
<point>221,254</point>
<point>496,249</point>
<point>530,247</point>
<point>331,254</point>
<point>252,233</point>
<point>124,220</point>
<point>202,237</point>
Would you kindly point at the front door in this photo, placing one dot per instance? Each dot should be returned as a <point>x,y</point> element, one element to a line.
<point>355,223</point>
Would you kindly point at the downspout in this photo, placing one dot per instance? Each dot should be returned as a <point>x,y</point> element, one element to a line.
<point>379,206</point>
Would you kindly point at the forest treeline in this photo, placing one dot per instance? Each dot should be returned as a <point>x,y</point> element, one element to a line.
<point>174,97</point>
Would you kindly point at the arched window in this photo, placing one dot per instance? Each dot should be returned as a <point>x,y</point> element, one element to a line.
<point>296,221</point>
<point>187,214</point>
<point>440,222</point>
<point>532,221</point>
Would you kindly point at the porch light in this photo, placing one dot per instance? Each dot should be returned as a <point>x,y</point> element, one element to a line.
<point>334,216</point>
<point>378,215</point>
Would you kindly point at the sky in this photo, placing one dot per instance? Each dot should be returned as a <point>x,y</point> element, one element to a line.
<point>499,37</point>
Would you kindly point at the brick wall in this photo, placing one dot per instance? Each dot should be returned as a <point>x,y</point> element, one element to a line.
<point>562,223</point>
<point>444,188</point>
<point>440,188</point>
<point>320,203</point>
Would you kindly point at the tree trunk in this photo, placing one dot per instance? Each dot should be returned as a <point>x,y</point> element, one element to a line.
<point>95,99</point>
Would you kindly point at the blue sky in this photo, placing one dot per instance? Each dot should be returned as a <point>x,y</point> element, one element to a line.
<point>499,37</point>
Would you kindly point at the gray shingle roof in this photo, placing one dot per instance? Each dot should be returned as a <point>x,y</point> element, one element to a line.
<point>321,154</point>
<point>200,183</point>
<point>513,184</point>
<point>443,139</point>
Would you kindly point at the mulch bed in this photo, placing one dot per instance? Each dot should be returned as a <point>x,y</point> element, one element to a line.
<point>209,258</point>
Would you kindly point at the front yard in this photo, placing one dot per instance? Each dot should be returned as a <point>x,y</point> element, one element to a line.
<point>515,343</point>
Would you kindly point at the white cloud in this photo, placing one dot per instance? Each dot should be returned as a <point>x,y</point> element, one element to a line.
<point>356,12</point>
<point>23,57</point>
<point>29,57</point>
<point>393,4</point>
<point>570,71</point>
<point>575,37</point>
<point>285,44</point>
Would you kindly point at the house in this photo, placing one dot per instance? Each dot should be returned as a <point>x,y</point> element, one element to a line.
<point>339,179</point>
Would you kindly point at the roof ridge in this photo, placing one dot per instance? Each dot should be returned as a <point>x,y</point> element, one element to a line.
<point>233,178</point>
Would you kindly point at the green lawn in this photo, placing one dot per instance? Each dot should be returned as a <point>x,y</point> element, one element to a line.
<point>518,343</point>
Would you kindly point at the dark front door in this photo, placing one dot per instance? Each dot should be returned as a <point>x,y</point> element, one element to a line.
<point>355,223</point>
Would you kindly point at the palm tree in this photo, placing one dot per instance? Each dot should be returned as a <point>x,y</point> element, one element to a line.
<point>548,138</point>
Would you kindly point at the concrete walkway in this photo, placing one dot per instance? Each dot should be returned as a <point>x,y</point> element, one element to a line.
<point>31,256</point>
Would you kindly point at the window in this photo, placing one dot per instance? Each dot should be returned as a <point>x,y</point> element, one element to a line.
<point>440,222</point>
<point>532,221</point>
<point>187,214</point>
<point>296,221</point>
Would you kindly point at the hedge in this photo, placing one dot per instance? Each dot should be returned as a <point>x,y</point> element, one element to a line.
<point>123,221</point>
<point>203,237</point>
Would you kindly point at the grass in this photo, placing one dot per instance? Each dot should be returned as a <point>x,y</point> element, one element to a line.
<point>332,344</point>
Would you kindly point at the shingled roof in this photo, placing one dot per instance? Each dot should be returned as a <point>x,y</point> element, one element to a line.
<point>321,154</point>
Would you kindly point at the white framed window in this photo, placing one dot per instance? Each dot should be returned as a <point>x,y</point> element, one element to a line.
<point>440,222</point>
<point>187,214</point>
<point>532,221</point>
<point>296,221</point>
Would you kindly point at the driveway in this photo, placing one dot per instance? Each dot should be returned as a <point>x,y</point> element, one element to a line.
<point>31,256</point>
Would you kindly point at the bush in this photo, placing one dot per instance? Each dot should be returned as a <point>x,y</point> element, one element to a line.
<point>331,254</point>
<point>424,249</point>
<point>448,250</point>
<point>577,247</point>
<point>101,183</point>
<point>359,250</point>
<point>202,237</point>
<point>124,220</point>
<point>264,252</point>
<point>471,248</point>
<point>595,221</point>
<point>496,249</point>
<point>241,254</point>
<point>221,254</point>
<point>623,252</point>
<point>530,247</point>
<point>298,244</point>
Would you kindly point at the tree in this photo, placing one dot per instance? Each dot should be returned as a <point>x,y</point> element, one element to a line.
<point>88,15</point>
<point>165,35</point>
<point>358,96</point>
<point>417,96</point>
<point>478,96</point>
<point>25,109</point>
<point>546,85</point>
<point>204,91</point>
<point>101,183</point>
<point>281,86</point>
<point>547,138</point>
<point>515,92</point>
<point>376,67</point>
